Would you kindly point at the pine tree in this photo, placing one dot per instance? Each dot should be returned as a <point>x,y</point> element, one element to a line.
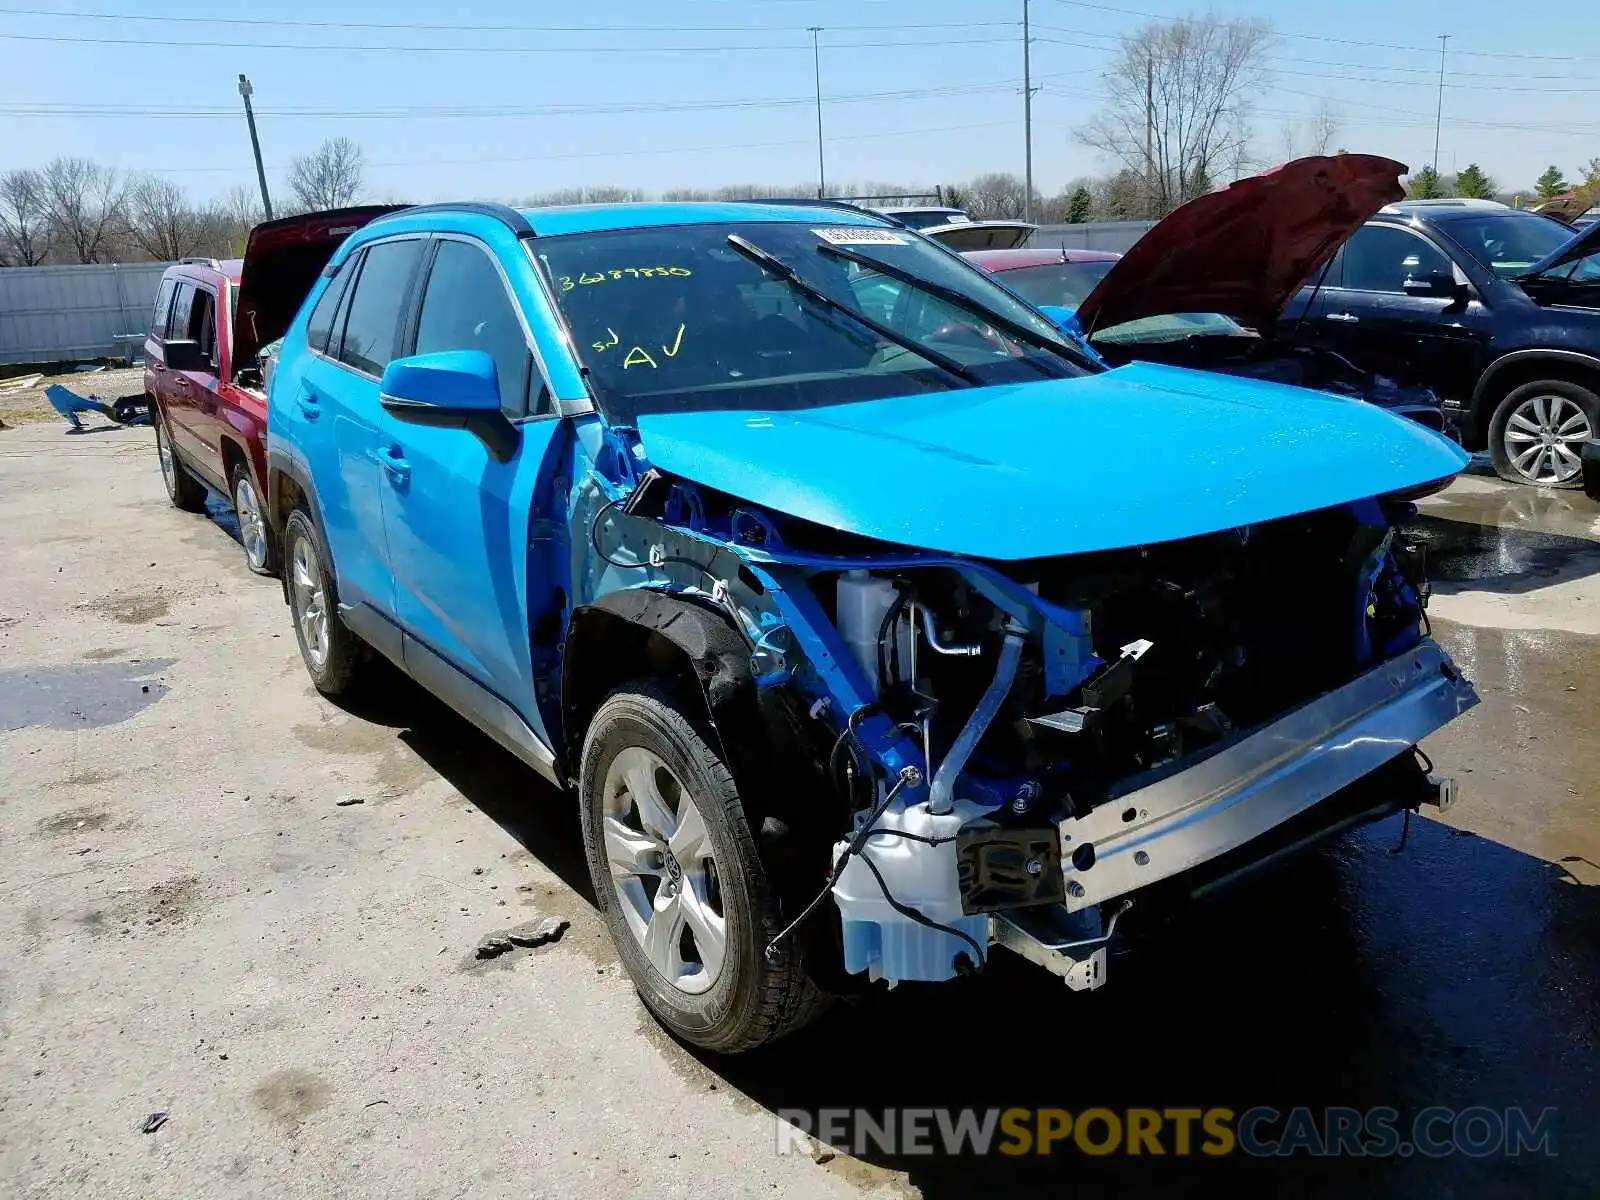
<point>1551,183</point>
<point>1474,184</point>
<point>1079,207</point>
<point>1424,185</point>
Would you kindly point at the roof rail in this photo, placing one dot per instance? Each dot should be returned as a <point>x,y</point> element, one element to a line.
<point>807,202</point>
<point>200,262</point>
<point>504,213</point>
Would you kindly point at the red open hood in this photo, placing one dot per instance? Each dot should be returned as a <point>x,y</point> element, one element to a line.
<point>1246,250</point>
<point>282,260</point>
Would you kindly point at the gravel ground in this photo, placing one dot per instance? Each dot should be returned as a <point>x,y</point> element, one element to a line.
<point>19,405</point>
<point>198,921</point>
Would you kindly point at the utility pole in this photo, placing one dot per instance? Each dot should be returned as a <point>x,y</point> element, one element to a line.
<point>1027,117</point>
<point>816,70</point>
<point>255,144</point>
<point>1438,117</point>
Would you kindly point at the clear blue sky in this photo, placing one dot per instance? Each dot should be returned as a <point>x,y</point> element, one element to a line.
<point>719,91</point>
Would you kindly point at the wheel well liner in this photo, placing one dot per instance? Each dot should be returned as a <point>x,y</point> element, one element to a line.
<point>625,634</point>
<point>289,488</point>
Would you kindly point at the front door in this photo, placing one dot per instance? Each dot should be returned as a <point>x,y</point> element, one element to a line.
<point>457,520</point>
<point>1376,312</point>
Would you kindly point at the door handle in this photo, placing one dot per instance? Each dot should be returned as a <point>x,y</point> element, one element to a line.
<point>310,407</point>
<point>180,381</point>
<point>1345,318</point>
<point>393,460</point>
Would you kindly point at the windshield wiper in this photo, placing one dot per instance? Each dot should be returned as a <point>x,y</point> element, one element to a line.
<point>959,300</point>
<point>776,266</point>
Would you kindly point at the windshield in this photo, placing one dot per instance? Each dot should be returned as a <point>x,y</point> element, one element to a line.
<point>1063,283</point>
<point>1509,243</point>
<point>675,318</point>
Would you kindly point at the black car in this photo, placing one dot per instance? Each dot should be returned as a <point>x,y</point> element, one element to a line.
<point>1497,310</point>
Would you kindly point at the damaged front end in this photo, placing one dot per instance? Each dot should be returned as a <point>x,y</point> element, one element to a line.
<point>1012,751</point>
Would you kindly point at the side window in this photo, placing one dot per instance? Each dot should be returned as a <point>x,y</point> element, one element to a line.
<point>1380,258</point>
<point>466,308</point>
<point>321,322</point>
<point>158,321</point>
<point>178,319</point>
<point>381,294</point>
<point>203,323</point>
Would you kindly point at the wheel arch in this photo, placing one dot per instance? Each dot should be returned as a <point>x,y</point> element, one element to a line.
<point>1511,371</point>
<point>288,488</point>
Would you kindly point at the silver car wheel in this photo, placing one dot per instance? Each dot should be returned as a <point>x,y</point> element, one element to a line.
<point>252,525</point>
<point>310,601</point>
<point>663,870</point>
<point>164,454</point>
<point>1544,437</point>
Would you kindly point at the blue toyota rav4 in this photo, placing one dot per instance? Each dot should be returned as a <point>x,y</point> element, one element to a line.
<point>871,624</point>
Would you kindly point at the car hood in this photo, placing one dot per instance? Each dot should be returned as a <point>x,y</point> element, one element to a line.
<point>1246,250</point>
<point>282,260</point>
<point>1142,454</point>
<point>1584,243</point>
<point>982,235</point>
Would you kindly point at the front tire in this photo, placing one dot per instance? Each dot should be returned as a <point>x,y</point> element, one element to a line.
<point>333,654</point>
<point>183,489</point>
<point>254,535</point>
<point>1537,433</point>
<point>677,876</point>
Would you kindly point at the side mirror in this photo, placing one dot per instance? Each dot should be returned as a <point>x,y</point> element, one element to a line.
<point>450,389</point>
<point>1433,283</point>
<point>184,356</point>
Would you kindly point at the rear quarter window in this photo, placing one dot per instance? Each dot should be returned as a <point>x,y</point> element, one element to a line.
<point>321,322</point>
<point>158,319</point>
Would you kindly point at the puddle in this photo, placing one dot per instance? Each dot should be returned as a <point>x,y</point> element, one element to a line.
<point>79,695</point>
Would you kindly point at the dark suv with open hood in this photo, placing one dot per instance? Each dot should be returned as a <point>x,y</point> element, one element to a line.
<point>207,358</point>
<point>1319,268</point>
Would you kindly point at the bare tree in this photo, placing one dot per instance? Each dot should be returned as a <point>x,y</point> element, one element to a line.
<point>328,177</point>
<point>997,196</point>
<point>86,204</point>
<point>162,222</point>
<point>1178,104</point>
<point>1315,135</point>
<point>24,219</point>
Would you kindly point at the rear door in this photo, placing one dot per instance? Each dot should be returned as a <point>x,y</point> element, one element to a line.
<point>1368,314</point>
<point>457,520</point>
<point>198,388</point>
<point>177,392</point>
<point>336,396</point>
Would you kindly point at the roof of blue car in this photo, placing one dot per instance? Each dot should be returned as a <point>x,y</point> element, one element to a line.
<point>595,218</point>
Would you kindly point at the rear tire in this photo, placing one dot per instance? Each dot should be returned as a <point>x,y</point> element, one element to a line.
<point>254,534</point>
<point>1537,433</point>
<point>183,489</point>
<point>677,876</point>
<point>333,655</point>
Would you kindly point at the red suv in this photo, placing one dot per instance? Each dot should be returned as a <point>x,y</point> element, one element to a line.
<point>208,356</point>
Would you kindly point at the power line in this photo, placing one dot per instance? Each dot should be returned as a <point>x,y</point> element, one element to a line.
<point>586,154</point>
<point>300,23</point>
<point>345,48</point>
<point>450,112</point>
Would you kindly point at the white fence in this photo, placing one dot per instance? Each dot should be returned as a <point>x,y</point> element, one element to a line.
<point>59,314</point>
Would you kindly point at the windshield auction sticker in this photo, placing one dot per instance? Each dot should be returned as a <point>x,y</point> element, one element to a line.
<point>857,235</point>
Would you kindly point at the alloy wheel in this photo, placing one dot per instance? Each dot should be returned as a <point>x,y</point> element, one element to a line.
<point>310,602</point>
<point>164,454</point>
<point>252,525</point>
<point>1544,437</point>
<point>663,870</point>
